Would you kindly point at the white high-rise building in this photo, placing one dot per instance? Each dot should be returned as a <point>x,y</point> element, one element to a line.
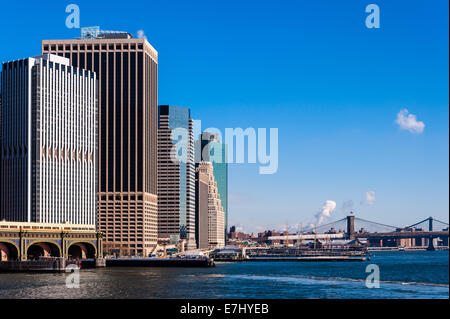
<point>48,141</point>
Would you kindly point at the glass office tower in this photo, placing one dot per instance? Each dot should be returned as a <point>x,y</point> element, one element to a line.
<point>176,175</point>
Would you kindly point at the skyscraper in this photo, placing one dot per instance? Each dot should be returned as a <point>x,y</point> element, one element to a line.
<point>127,73</point>
<point>201,209</point>
<point>1,148</point>
<point>212,150</point>
<point>49,141</point>
<point>176,175</point>
<point>211,223</point>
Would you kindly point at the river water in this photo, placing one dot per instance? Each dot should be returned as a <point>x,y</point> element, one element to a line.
<point>402,275</point>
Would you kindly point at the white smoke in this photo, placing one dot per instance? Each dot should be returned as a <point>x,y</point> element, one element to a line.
<point>370,198</point>
<point>141,34</point>
<point>325,212</point>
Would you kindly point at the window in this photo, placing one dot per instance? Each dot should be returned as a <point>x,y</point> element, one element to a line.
<point>140,120</point>
<point>74,59</point>
<point>132,121</point>
<point>103,109</point>
<point>89,61</point>
<point>125,122</point>
<point>110,121</point>
<point>81,61</point>
<point>118,120</point>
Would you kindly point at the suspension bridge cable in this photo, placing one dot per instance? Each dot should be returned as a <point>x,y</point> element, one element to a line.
<point>325,225</point>
<point>368,221</point>
<point>426,219</point>
<point>437,220</point>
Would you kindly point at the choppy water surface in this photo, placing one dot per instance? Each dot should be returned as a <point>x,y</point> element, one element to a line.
<point>402,275</point>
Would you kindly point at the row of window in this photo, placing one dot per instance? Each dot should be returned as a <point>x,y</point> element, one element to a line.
<point>77,47</point>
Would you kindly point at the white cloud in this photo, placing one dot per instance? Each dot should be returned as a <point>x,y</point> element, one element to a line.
<point>409,122</point>
<point>370,198</point>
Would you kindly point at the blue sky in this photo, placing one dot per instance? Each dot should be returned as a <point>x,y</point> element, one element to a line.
<point>313,70</point>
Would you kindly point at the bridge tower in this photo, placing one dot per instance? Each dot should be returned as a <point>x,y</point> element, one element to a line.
<point>351,227</point>
<point>430,239</point>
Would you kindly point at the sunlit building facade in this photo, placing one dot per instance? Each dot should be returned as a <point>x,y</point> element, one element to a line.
<point>48,141</point>
<point>215,215</point>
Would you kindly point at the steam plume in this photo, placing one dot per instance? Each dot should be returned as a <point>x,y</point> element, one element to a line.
<point>328,207</point>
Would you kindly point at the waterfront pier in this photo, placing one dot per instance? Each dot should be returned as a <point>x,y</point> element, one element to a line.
<point>160,262</point>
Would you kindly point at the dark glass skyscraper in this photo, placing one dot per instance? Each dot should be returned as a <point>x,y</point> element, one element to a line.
<point>127,73</point>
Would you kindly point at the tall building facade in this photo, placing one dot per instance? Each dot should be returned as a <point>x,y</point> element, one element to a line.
<point>127,183</point>
<point>176,175</point>
<point>49,141</point>
<point>1,147</point>
<point>212,150</point>
<point>214,215</point>
<point>201,209</point>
